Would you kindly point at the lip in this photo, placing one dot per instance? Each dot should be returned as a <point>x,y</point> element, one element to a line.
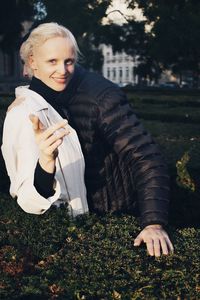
<point>60,80</point>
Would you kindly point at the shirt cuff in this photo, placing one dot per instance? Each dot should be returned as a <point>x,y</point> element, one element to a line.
<point>44,181</point>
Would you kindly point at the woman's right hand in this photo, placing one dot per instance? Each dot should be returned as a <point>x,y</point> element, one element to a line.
<point>48,141</point>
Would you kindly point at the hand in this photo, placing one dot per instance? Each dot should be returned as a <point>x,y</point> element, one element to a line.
<point>156,240</point>
<point>48,141</point>
<point>16,102</point>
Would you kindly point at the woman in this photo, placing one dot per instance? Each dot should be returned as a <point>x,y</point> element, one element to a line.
<point>40,149</point>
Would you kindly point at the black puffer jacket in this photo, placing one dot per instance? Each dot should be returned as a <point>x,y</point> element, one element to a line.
<point>122,161</point>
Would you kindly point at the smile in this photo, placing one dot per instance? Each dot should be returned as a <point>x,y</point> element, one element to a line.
<point>60,80</point>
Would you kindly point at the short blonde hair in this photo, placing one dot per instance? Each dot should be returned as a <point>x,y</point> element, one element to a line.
<point>39,35</point>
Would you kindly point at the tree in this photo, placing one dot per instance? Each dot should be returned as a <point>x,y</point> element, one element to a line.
<point>12,14</point>
<point>174,34</point>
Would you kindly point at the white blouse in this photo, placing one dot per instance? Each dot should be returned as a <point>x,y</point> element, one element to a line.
<point>21,154</point>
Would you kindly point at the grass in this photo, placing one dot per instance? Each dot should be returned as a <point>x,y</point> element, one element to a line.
<point>93,258</point>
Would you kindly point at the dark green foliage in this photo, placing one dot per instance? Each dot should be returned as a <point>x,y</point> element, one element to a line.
<point>12,14</point>
<point>165,107</point>
<point>92,257</point>
<point>184,179</point>
<point>174,37</point>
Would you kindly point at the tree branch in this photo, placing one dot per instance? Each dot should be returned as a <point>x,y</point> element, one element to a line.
<point>117,10</point>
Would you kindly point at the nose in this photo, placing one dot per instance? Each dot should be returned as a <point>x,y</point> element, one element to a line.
<point>62,68</point>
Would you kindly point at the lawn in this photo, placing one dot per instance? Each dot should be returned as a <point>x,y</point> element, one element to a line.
<point>54,257</point>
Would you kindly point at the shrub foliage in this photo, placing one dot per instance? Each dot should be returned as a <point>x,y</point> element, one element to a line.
<point>54,257</point>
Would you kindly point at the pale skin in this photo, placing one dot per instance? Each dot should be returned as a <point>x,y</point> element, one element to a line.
<point>56,71</point>
<point>48,141</point>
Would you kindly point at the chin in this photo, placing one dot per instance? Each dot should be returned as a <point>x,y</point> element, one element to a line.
<point>60,88</point>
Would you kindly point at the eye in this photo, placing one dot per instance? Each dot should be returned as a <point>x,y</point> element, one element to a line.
<point>69,61</point>
<point>52,61</point>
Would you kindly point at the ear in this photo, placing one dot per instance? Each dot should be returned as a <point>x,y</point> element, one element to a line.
<point>32,63</point>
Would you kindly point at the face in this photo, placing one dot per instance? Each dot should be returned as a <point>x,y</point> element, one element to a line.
<point>53,62</point>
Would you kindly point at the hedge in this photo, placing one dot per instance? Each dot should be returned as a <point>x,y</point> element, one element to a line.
<point>54,257</point>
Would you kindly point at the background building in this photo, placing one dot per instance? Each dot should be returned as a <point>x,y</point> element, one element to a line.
<point>10,71</point>
<point>11,67</point>
<point>119,67</point>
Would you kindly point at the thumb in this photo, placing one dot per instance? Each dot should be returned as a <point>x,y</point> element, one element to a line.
<point>35,121</point>
<point>138,240</point>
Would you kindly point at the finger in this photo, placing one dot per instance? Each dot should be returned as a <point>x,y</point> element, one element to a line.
<point>16,102</point>
<point>150,247</point>
<point>164,246</point>
<point>52,129</point>
<point>52,139</point>
<point>35,122</point>
<point>41,125</point>
<point>52,149</point>
<point>169,244</point>
<point>138,240</point>
<point>156,245</point>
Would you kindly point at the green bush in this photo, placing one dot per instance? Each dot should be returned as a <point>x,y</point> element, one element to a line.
<point>53,257</point>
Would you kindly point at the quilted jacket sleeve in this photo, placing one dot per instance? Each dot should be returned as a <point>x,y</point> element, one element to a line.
<point>134,145</point>
<point>20,154</point>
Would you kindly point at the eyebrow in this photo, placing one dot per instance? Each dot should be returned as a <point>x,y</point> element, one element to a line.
<point>66,60</point>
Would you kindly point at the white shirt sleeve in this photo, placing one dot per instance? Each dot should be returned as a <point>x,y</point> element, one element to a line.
<point>20,153</point>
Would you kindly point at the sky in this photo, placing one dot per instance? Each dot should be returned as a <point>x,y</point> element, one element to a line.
<point>121,5</point>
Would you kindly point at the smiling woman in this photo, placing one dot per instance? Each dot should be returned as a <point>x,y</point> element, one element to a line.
<point>42,152</point>
<point>53,62</point>
<point>40,39</point>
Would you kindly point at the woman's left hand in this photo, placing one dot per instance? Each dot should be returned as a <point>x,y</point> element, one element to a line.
<point>156,240</point>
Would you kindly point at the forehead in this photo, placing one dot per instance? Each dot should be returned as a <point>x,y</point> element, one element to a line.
<point>56,46</point>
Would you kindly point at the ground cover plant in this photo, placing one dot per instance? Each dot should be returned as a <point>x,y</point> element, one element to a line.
<point>54,257</point>
<point>51,256</point>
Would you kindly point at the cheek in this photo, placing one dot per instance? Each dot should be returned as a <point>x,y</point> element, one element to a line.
<point>70,69</point>
<point>46,71</point>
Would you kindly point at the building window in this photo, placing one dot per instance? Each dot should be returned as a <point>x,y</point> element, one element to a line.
<point>108,73</point>
<point>114,73</point>
<point>120,73</point>
<point>127,72</point>
<point>107,56</point>
<point>8,64</point>
<point>127,59</point>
